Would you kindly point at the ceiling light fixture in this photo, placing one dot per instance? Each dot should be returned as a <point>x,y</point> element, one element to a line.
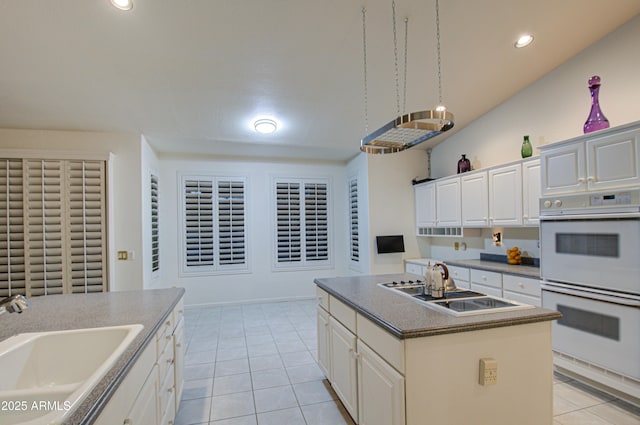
<point>265,126</point>
<point>123,4</point>
<point>524,41</point>
<point>409,129</point>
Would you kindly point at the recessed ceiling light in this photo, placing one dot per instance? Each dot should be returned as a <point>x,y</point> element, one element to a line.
<point>524,41</point>
<point>265,126</point>
<point>123,4</point>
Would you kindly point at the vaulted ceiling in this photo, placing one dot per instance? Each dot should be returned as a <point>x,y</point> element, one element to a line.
<point>191,75</point>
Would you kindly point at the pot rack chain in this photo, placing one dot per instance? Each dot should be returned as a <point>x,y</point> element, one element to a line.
<point>406,43</point>
<point>366,93</point>
<point>438,49</point>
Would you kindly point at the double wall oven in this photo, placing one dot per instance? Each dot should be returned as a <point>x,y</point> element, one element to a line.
<point>590,268</point>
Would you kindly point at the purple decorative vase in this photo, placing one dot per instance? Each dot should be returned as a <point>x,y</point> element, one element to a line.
<point>464,164</point>
<point>597,120</point>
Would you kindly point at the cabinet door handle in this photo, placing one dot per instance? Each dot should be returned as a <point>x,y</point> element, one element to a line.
<point>591,179</point>
<point>170,390</point>
<point>521,285</point>
<point>126,422</point>
<point>581,180</point>
<point>179,344</point>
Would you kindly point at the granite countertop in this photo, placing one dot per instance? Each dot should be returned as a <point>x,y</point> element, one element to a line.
<point>493,266</point>
<point>406,318</point>
<point>62,312</point>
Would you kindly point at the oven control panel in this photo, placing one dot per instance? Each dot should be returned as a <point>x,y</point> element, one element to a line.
<point>589,202</point>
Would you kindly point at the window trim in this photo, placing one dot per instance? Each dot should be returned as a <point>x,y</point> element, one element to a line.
<point>215,269</point>
<point>304,264</point>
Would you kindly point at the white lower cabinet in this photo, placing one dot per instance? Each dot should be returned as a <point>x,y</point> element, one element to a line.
<point>323,341</point>
<point>344,366</point>
<point>380,390</point>
<point>150,393</point>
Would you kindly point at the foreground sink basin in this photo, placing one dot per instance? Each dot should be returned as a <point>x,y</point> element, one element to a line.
<point>46,374</point>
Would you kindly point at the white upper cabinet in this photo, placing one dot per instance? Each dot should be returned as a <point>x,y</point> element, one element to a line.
<point>475,199</point>
<point>531,192</point>
<point>448,212</point>
<point>613,161</point>
<point>605,160</point>
<point>505,196</point>
<point>425,198</point>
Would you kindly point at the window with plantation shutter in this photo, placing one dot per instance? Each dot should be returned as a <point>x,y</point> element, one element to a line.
<point>52,227</point>
<point>155,229</point>
<point>214,237</point>
<point>302,223</point>
<point>354,241</point>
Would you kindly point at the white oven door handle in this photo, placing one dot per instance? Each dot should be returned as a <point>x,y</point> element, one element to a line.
<point>590,294</point>
<point>592,216</point>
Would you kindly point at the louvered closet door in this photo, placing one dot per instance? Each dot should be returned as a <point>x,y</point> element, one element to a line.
<point>231,227</point>
<point>12,268</point>
<point>353,218</point>
<point>288,222</point>
<point>44,215</point>
<point>155,226</point>
<point>316,222</point>
<point>86,225</point>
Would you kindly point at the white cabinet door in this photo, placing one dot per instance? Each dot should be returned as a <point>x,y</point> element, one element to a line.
<point>323,341</point>
<point>531,192</point>
<point>475,199</point>
<point>448,212</point>
<point>344,366</point>
<point>145,410</point>
<point>178,350</point>
<point>613,161</point>
<point>563,169</point>
<point>505,196</point>
<point>380,390</point>
<point>425,198</point>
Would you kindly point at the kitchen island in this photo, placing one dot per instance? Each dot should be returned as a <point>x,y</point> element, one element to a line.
<point>159,311</point>
<point>392,360</point>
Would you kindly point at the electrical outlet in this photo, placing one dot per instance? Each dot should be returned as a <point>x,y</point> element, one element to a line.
<point>488,371</point>
<point>123,255</point>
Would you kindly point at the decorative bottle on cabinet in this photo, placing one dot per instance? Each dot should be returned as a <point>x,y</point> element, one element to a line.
<point>597,120</point>
<point>526,150</point>
<point>464,164</point>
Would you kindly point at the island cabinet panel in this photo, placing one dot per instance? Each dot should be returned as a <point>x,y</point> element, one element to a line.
<point>390,348</point>
<point>344,366</point>
<point>380,390</point>
<point>323,341</point>
<point>442,380</point>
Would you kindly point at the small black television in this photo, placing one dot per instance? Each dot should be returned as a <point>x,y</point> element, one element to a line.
<point>390,244</point>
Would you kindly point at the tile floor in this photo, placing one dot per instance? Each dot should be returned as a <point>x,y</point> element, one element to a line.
<point>255,364</point>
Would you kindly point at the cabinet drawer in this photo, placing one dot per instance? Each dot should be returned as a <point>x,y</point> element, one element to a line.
<point>414,268</point>
<point>390,348</point>
<point>164,334</point>
<point>178,311</point>
<point>522,285</point>
<point>343,313</point>
<point>488,278</point>
<point>323,298</point>
<point>458,273</point>
<point>169,416</point>
<point>526,299</point>
<point>165,361</point>
<point>487,290</point>
<point>166,394</point>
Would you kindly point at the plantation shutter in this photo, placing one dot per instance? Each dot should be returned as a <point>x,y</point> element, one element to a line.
<point>44,207</point>
<point>199,223</point>
<point>288,224</point>
<point>12,262</point>
<point>52,227</point>
<point>316,222</point>
<point>353,220</point>
<point>86,220</point>
<point>155,230</point>
<point>231,218</point>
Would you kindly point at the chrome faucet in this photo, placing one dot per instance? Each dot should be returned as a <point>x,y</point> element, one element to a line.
<point>14,304</point>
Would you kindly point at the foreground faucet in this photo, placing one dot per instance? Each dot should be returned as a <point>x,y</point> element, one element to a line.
<point>14,304</point>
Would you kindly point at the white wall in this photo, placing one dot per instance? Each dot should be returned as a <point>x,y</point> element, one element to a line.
<point>125,188</point>
<point>555,107</point>
<point>262,283</point>
<point>392,206</point>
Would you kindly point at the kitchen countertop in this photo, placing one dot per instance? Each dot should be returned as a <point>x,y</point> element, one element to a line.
<point>406,318</point>
<point>493,266</point>
<point>62,312</point>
